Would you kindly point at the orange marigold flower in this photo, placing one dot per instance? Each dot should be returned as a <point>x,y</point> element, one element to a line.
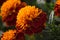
<point>13,35</point>
<point>57,8</point>
<point>9,35</point>
<point>9,11</point>
<point>30,18</point>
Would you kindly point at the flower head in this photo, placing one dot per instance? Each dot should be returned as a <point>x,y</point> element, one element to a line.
<point>30,18</point>
<point>57,8</point>
<point>13,35</point>
<point>9,35</point>
<point>9,11</point>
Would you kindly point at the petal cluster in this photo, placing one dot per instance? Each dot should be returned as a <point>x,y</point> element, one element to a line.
<point>9,35</point>
<point>13,35</point>
<point>9,11</point>
<point>57,8</point>
<point>30,18</point>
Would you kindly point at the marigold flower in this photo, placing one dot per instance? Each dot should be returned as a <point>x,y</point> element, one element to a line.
<point>9,35</point>
<point>13,35</point>
<point>9,11</point>
<point>57,8</point>
<point>30,19</point>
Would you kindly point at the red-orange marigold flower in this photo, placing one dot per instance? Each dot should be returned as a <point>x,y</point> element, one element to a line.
<point>9,11</point>
<point>9,35</point>
<point>13,35</point>
<point>31,19</point>
<point>57,8</point>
